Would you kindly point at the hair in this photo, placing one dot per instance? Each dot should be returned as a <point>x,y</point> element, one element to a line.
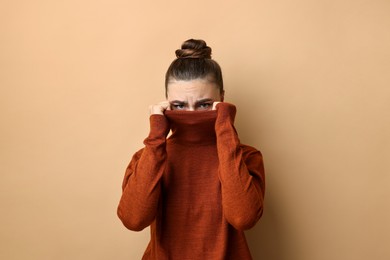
<point>194,62</point>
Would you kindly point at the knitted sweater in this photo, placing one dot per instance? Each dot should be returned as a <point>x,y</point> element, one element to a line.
<point>198,189</point>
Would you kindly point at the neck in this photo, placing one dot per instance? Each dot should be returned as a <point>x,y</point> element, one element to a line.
<point>192,127</point>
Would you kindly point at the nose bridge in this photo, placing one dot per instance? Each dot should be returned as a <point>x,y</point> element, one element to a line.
<point>191,105</point>
<point>191,102</point>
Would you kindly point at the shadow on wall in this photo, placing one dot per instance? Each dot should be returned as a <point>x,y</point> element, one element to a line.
<point>265,240</point>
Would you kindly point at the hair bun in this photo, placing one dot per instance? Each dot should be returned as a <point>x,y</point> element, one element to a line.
<point>194,49</point>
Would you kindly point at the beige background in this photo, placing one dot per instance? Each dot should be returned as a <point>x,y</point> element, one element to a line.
<point>310,80</point>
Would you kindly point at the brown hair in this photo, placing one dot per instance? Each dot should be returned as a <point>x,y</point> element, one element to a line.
<point>194,62</point>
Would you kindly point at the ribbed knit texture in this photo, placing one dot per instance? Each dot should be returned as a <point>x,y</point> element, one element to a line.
<point>199,189</point>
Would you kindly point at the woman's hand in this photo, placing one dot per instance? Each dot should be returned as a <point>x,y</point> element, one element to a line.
<point>215,105</point>
<point>159,108</point>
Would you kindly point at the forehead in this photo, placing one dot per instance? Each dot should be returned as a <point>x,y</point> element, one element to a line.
<point>197,88</point>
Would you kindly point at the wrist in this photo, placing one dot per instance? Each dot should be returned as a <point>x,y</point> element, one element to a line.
<point>226,111</point>
<point>159,125</point>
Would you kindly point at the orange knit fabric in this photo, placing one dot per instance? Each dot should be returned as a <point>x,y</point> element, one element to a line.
<point>199,189</point>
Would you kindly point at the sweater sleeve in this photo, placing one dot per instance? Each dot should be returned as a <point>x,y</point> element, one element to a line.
<point>141,184</point>
<point>241,173</point>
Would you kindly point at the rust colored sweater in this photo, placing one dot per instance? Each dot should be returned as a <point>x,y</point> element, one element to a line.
<point>199,189</point>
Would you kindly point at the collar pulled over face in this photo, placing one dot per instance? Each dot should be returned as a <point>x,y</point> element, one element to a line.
<point>192,127</point>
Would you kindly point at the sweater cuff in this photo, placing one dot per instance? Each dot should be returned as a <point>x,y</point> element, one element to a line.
<point>159,126</point>
<point>226,111</point>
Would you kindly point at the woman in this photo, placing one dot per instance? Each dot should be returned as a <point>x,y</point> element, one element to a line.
<point>199,188</point>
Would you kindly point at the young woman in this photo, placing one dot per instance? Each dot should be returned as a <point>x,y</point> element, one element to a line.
<point>199,188</point>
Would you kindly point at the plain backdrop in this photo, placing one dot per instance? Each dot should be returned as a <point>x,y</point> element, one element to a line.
<point>310,80</point>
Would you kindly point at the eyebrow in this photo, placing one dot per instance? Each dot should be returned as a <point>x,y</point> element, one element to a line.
<point>178,102</point>
<point>197,102</point>
<point>204,100</point>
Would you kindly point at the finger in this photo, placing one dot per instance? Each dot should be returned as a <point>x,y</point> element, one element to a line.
<point>158,108</point>
<point>215,105</point>
<point>165,105</point>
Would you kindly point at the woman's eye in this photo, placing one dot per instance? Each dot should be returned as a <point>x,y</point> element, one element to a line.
<point>204,106</point>
<point>177,106</point>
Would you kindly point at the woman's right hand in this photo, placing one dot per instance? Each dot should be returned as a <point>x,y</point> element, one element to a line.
<point>159,108</point>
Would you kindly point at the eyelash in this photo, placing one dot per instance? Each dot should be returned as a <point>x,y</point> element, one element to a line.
<point>202,106</point>
<point>205,104</point>
<point>178,106</point>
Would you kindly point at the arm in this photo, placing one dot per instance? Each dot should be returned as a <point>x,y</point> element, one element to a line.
<point>141,184</point>
<point>241,172</point>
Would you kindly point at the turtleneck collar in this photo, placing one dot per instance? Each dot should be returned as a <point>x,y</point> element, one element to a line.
<point>192,127</point>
